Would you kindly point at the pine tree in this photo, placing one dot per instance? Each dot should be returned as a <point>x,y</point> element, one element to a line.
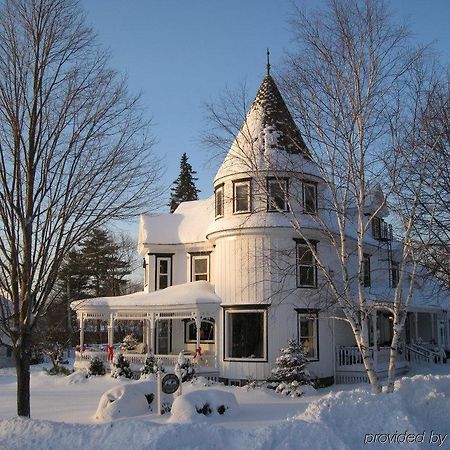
<point>106,269</point>
<point>290,372</point>
<point>184,187</point>
<point>151,366</point>
<point>185,367</point>
<point>121,367</point>
<point>291,364</point>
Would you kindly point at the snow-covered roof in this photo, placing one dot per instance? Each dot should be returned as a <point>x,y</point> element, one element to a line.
<point>195,293</point>
<point>188,224</point>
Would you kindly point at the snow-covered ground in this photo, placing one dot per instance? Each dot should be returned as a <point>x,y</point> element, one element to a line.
<point>416,416</point>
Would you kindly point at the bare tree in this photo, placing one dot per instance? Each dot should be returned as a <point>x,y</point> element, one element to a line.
<point>433,224</point>
<point>74,153</point>
<point>351,88</point>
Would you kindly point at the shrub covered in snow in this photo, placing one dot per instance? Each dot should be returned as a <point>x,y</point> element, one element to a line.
<point>185,367</point>
<point>290,371</point>
<point>96,367</point>
<point>127,400</point>
<point>58,370</point>
<point>195,405</point>
<point>151,366</point>
<point>129,343</point>
<point>121,367</point>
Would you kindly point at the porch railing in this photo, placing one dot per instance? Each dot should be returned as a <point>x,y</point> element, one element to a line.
<point>350,358</point>
<point>417,354</point>
<point>136,359</point>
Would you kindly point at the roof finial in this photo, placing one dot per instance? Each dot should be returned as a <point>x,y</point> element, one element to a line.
<point>268,63</point>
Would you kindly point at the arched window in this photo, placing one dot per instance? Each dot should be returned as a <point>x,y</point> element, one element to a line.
<point>206,331</point>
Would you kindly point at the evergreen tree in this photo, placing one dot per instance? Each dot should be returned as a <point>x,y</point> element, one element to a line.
<point>151,366</point>
<point>291,364</point>
<point>121,367</point>
<point>185,367</point>
<point>290,372</point>
<point>184,189</point>
<point>106,269</point>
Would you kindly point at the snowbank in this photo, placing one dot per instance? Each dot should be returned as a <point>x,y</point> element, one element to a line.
<point>339,419</point>
<point>127,400</point>
<point>195,406</point>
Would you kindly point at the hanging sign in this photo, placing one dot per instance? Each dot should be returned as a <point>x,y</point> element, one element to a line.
<point>170,383</point>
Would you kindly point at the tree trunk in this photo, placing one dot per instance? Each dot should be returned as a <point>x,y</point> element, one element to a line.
<point>22,358</point>
<point>393,360</point>
<point>368,363</point>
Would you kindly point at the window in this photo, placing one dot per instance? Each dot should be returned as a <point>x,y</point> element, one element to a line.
<point>199,267</point>
<point>309,198</point>
<point>277,194</point>
<point>246,334</point>
<point>206,331</point>
<point>308,332</point>
<point>306,266</point>
<point>381,230</point>
<point>394,274</point>
<point>241,196</point>
<point>163,272</point>
<point>366,270</point>
<point>219,201</point>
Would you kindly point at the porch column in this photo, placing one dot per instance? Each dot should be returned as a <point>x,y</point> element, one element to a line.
<point>81,332</point>
<point>148,342</point>
<point>111,330</point>
<point>375,340</point>
<point>416,326</point>
<point>198,323</point>
<point>216,340</point>
<point>152,333</point>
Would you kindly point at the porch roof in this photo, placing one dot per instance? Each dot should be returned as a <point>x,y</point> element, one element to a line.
<point>194,296</point>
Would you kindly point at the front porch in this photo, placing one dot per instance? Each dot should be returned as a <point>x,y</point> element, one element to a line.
<point>423,341</point>
<point>350,367</point>
<point>176,319</point>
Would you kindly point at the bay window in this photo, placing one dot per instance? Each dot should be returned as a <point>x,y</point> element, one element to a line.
<point>245,334</point>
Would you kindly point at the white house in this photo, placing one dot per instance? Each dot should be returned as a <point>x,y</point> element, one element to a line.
<point>228,281</point>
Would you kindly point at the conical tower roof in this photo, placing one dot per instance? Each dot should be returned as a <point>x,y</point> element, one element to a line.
<point>275,116</point>
<point>268,138</point>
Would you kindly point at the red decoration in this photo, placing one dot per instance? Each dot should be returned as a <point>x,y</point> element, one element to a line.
<point>198,352</point>
<point>110,350</point>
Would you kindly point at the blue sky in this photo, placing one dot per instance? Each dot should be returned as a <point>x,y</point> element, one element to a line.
<point>180,54</point>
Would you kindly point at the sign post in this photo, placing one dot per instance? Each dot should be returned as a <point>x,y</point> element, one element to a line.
<point>169,385</point>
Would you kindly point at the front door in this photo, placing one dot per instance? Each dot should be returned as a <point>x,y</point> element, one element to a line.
<point>163,335</point>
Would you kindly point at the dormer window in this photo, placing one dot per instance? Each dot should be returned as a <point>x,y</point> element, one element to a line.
<point>309,194</point>
<point>219,201</point>
<point>277,190</point>
<point>241,196</point>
